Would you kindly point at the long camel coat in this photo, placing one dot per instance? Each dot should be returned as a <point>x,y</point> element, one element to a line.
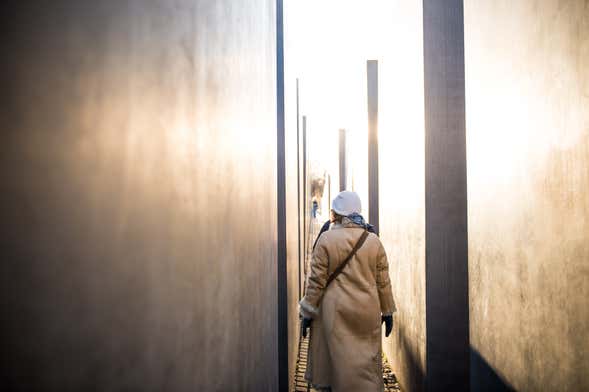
<point>345,346</point>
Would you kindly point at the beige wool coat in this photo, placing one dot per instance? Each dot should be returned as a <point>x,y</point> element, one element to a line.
<point>345,346</point>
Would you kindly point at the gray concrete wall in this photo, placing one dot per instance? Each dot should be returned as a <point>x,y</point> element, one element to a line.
<point>292,235</point>
<point>402,189</point>
<point>138,195</point>
<point>527,85</point>
<point>294,194</point>
<point>446,248</point>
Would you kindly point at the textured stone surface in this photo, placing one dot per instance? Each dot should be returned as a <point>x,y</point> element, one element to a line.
<point>138,195</point>
<point>446,243</point>
<point>527,84</point>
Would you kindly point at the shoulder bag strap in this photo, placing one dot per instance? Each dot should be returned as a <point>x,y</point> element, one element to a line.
<point>343,264</point>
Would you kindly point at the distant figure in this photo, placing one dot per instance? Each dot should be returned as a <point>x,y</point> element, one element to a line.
<point>315,207</point>
<point>348,297</point>
<point>317,187</point>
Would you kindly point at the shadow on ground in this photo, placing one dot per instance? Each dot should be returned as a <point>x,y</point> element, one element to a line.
<point>483,377</point>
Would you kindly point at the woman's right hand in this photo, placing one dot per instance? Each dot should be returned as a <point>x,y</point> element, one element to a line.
<point>388,320</point>
<point>305,325</point>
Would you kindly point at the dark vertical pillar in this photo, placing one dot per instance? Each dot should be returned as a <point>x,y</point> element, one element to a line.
<point>282,304</point>
<point>372,94</point>
<point>300,259</point>
<point>305,232</point>
<point>342,160</point>
<point>447,336</point>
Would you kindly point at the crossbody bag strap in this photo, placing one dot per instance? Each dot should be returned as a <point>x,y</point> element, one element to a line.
<point>343,264</point>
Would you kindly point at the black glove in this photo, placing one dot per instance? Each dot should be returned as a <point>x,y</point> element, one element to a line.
<point>388,320</point>
<point>305,324</point>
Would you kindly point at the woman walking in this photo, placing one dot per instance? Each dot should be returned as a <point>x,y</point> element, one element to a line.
<point>347,298</point>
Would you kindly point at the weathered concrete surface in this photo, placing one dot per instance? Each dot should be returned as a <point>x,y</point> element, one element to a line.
<point>294,194</point>
<point>402,192</point>
<point>138,195</point>
<point>527,83</point>
<point>372,111</point>
<point>446,243</point>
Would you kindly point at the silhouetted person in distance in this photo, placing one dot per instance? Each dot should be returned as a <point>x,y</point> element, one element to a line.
<point>347,298</point>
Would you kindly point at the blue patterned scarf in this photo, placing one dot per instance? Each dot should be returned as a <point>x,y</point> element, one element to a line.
<point>355,218</point>
<point>359,220</point>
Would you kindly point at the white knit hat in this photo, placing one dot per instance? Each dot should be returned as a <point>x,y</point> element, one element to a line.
<point>346,203</point>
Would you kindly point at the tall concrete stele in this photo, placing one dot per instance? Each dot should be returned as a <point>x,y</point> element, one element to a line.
<point>372,95</point>
<point>305,199</point>
<point>446,253</point>
<point>343,164</point>
<point>124,244</point>
<point>300,252</point>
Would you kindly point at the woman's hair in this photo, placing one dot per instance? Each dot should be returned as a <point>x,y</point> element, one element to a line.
<point>335,217</point>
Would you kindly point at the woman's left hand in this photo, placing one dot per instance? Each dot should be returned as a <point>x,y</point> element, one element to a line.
<point>305,325</point>
<point>388,320</point>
